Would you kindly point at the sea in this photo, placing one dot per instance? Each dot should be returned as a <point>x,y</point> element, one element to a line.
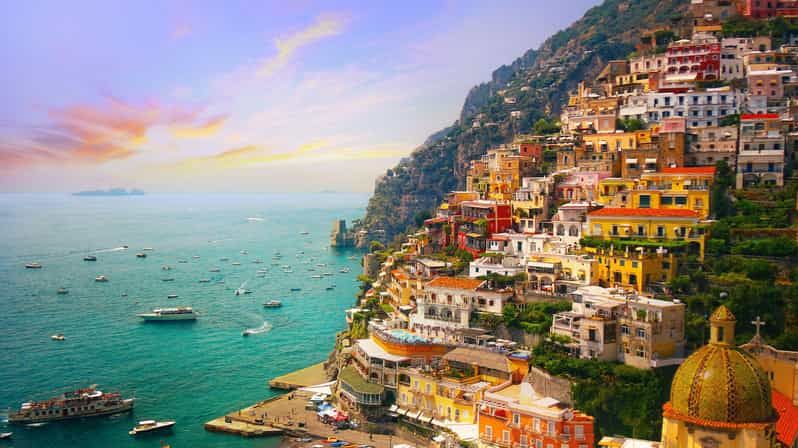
<point>187,372</point>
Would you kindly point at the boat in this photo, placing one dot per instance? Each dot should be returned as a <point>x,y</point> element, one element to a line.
<point>315,276</point>
<point>344,271</point>
<point>273,304</point>
<point>327,274</point>
<point>321,265</point>
<point>182,261</point>
<point>296,289</point>
<point>101,279</point>
<point>89,258</point>
<point>146,248</point>
<point>214,270</point>
<point>6,435</point>
<point>235,263</point>
<point>204,280</point>
<point>352,257</point>
<point>168,279</point>
<point>262,271</point>
<point>62,291</point>
<point>80,403</point>
<point>146,426</point>
<point>141,255</point>
<point>257,261</point>
<point>169,314</point>
<point>171,296</point>
<point>166,267</point>
<point>242,291</point>
<point>224,259</point>
<point>329,288</point>
<point>35,425</point>
<point>304,233</point>
<point>58,337</point>
<point>33,265</point>
<point>243,252</point>
<point>196,257</point>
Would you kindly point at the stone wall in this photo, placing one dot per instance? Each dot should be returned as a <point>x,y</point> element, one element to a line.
<point>549,385</point>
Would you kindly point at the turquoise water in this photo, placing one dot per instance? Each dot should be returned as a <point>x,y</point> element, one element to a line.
<point>189,372</point>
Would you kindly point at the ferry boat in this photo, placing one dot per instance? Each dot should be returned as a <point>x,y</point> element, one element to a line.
<point>166,314</point>
<point>88,402</point>
<point>146,426</point>
<point>273,304</point>
<point>89,258</point>
<point>33,265</point>
<point>101,279</point>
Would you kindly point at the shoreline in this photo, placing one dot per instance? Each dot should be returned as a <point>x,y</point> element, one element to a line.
<point>305,377</point>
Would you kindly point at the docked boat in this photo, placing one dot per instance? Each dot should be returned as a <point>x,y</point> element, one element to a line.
<point>62,291</point>
<point>315,276</point>
<point>58,337</point>
<point>273,304</point>
<point>33,265</point>
<point>88,402</point>
<point>168,314</point>
<point>141,255</point>
<point>89,258</point>
<point>147,426</point>
<point>101,279</point>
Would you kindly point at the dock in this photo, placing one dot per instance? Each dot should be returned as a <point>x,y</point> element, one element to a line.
<point>309,376</point>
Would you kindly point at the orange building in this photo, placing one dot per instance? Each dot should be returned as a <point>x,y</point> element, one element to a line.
<point>513,415</point>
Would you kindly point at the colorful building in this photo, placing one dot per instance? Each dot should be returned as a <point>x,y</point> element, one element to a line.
<point>478,221</point>
<point>641,270</point>
<point>514,415</point>
<point>761,157</point>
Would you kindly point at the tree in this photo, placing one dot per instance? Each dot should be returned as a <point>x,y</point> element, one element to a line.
<point>719,200</point>
<point>422,216</point>
<point>630,124</point>
<point>376,246</point>
<point>544,126</point>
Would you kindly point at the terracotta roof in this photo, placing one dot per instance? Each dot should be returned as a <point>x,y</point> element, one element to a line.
<point>399,274</point>
<point>645,212</point>
<point>690,170</point>
<point>787,425</point>
<point>759,116</point>
<point>455,283</point>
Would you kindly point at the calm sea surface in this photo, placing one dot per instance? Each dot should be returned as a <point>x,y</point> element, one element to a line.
<point>188,372</point>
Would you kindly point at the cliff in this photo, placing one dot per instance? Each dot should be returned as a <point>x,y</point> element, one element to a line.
<point>536,84</point>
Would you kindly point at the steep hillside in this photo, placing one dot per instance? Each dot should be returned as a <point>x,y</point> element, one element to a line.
<point>539,81</point>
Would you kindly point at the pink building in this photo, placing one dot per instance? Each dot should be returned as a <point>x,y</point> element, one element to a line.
<point>581,186</point>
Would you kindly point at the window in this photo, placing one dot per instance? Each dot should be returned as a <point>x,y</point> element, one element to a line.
<point>645,201</point>
<point>625,329</point>
<point>524,441</point>
<point>641,231</point>
<point>579,432</point>
<point>516,419</point>
<point>536,424</point>
<point>681,200</point>
<point>666,200</point>
<point>550,428</point>
<point>505,436</point>
<point>489,432</point>
<point>660,231</point>
<point>641,333</point>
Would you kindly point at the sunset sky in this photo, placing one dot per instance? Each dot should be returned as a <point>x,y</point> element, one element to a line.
<point>241,96</point>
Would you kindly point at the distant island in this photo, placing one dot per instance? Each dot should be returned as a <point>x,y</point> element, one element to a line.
<point>110,192</point>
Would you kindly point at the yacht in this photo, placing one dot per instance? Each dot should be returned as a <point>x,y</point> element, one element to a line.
<point>89,258</point>
<point>146,426</point>
<point>101,279</point>
<point>61,291</point>
<point>141,255</point>
<point>58,337</point>
<point>168,314</point>
<point>273,304</point>
<point>80,403</point>
<point>6,435</point>
<point>33,265</point>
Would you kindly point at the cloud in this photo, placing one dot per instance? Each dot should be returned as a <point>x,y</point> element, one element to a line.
<point>325,26</point>
<point>206,129</point>
<point>112,129</point>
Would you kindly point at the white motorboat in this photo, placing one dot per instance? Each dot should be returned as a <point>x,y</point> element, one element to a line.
<point>101,279</point>
<point>62,291</point>
<point>146,426</point>
<point>33,265</point>
<point>6,435</point>
<point>168,314</point>
<point>146,248</point>
<point>273,304</point>
<point>89,258</point>
<point>141,255</point>
<point>58,337</point>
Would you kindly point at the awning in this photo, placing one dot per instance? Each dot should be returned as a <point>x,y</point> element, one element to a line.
<point>393,408</point>
<point>401,411</point>
<point>538,264</point>
<point>631,161</point>
<point>654,160</point>
<point>602,142</point>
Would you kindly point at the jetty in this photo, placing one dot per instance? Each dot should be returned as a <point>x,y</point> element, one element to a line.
<point>306,377</point>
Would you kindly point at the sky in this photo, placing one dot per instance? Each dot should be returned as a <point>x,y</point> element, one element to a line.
<point>242,96</point>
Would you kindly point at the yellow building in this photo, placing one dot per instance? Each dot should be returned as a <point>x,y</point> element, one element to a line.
<point>450,393</point>
<point>403,288</point>
<point>614,141</point>
<point>684,188</point>
<point>720,396</point>
<point>614,191</point>
<point>672,225</point>
<point>635,269</point>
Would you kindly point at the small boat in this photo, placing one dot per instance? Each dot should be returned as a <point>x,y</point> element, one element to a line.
<point>327,274</point>
<point>101,279</point>
<point>182,261</point>
<point>33,265</point>
<point>58,337</point>
<point>62,291</point>
<point>171,296</point>
<point>262,271</point>
<point>168,279</point>
<point>344,271</point>
<point>146,426</point>
<point>89,258</point>
<point>273,304</point>
<point>315,276</point>
<point>141,255</point>
<point>329,288</point>
<point>6,435</point>
<point>321,265</point>
<point>352,257</point>
<point>124,294</point>
<point>304,232</point>
<point>260,275</point>
<point>235,263</point>
<point>243,252</point>
<point>35,425</point>
<point>296,289</point>
<point>257,261</point>
<point>196,257</point>
<point>167,314</point>
<point>204,280</point>
<point>125,246</point>
<point>214,270</point>
<point>224,259</point>
<point>242,291</point>
<point>146,248</point>
<point>166,267</point>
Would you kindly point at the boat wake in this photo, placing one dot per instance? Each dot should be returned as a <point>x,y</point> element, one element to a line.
<point>262,329</point>
<point>255,219</point>
<point>113,249</point>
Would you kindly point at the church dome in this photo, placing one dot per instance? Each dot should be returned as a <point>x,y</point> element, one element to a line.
<point>721,382</point>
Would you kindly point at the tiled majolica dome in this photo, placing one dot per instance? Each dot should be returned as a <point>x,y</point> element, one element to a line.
<point>721,383</point>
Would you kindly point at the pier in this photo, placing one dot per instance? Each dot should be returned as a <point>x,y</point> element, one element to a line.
<point>306,377</point>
